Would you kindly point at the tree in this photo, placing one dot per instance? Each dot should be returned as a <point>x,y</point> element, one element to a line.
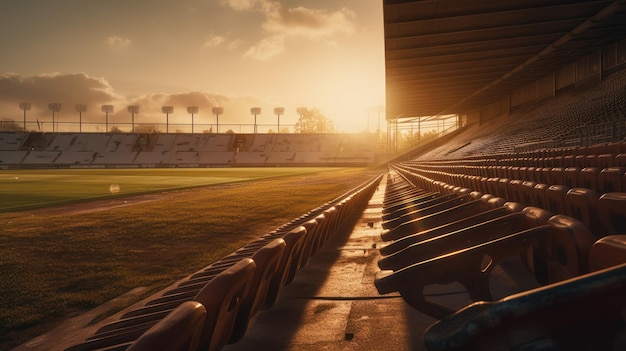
<point>106,109</point>
<point>192,110</point>
<point>54,107</point>
<point>9,125</point>
<point>25,106</point>
<point>313,121</point>
<point>147,129</point>
<point>167,110</point>
<point>80,108</point>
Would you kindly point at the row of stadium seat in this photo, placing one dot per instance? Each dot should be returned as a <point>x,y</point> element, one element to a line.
<point>214,306</point>
<point>601,180</point>
<point>442,232</point>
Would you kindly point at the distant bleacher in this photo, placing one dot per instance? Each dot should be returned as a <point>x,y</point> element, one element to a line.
<point>18,149</point>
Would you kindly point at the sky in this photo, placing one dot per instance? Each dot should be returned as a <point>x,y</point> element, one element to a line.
<point>237,54</point>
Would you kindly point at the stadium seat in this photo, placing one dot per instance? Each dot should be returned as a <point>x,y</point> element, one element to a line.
<point>414,207</point>
<point>554,198</point>
<point>407,240</point>
<point>540,195</point>
<point>588,178</point>
<point>455,240</point>
<point>567,249</point>
<point>267,261</point>
<point>570,177</point>
<point>429,207</point>
<point>221,298</point>
<point>607,252</point>
<point>180,330</point>
<point>620,160</point>
<point>446,215</point>
<point>612,213</point>
<point>610,180</point>
<point>464,266</point>
<point>582,313</point>
<point>528,195</point>
<point>581,203</point>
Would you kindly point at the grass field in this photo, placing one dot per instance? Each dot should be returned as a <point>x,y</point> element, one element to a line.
<point>56,264</point>
<point>28,189</point>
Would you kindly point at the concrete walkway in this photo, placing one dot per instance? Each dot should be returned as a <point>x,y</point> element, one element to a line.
<point>333,304</point>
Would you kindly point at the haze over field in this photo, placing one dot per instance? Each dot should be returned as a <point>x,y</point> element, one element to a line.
<point>325,54</point>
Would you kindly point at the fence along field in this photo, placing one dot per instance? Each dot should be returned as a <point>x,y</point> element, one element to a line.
<point>55,265</point>
<point>27,189</point>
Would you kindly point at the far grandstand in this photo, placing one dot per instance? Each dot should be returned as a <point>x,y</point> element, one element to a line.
<point>125,150</point>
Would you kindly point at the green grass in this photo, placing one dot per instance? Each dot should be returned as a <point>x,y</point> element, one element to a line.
<point>28,189</point>
<point>55,265</point>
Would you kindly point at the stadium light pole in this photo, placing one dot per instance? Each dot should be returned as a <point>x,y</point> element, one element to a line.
<point>192,110</point>
<point>132,109</point>
<point>54,107</point>
<point>279,111</point>
<point>106,109</point>
<point>167,110</point>
<point>80,108</point>
<point>25,106</point>
<point>255,111</point>
<point>217,111</point>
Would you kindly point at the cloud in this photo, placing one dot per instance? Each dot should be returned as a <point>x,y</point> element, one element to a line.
<point>116,42</point>
<point>318,25</point>
<point>282,23</point>
<point>214,41</point>
<point>267,48</point>
<point>45,88</point>
<point>80,88</point>
<point>219,40</point>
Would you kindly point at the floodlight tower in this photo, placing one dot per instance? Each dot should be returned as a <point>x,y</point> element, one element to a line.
<point>25,106</point>
<point>80,108</point>
<point>54,107</point>
<point>217,111</point>
<point>167,110</point>
<point>192,110</point>
<point>278,111</point>
<point>255,111</point>
<point>106,109</point>
<point>132,109</point>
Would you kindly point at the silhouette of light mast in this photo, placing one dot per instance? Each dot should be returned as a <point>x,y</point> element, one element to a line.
<point>25,106</point>
<point>279,111</point>
<point>80,108</point>
<point>132,109</point>
<point>54,107</point>
<point>217,111</point>
<point>192,110</point>
<point>167,110</point>
<point>255,111</point>
<point>106,109</point>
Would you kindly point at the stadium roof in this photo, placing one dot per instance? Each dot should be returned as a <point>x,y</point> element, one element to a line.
<point>451,56</point>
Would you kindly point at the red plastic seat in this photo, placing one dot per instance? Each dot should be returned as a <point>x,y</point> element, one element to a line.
<point>612,213</point>
<point>582,204</point>
<point>611,179</point>
<point>582,313</point>
<point>179,330</point>
<point>555,198</point>
<point>588,178</point>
